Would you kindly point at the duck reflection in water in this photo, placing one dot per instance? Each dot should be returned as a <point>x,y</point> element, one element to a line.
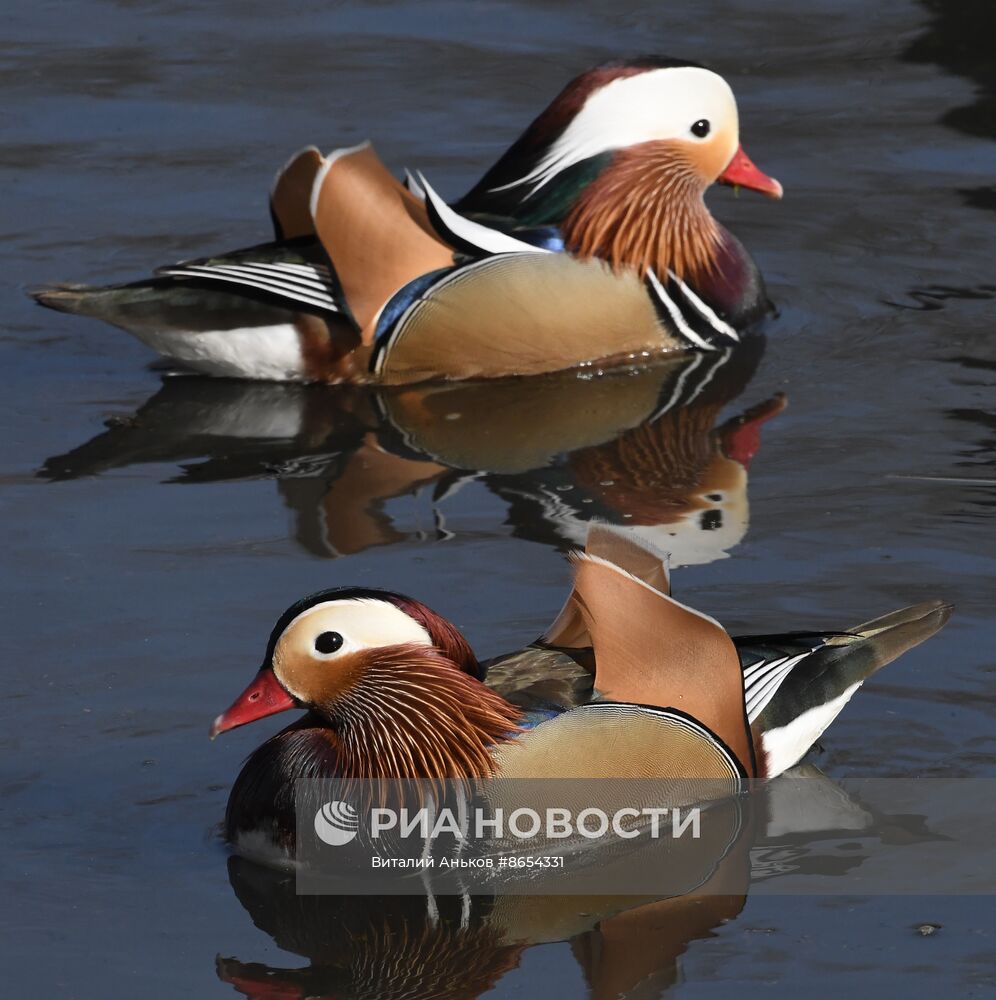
<point>639,448</point>
<point>452,947</point>
<point>462,946</point>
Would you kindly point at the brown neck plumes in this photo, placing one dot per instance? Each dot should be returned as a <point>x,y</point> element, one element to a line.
<point>646,210</point>
<point>412,713</point>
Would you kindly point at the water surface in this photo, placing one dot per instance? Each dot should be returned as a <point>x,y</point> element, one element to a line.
<point>146,561</point>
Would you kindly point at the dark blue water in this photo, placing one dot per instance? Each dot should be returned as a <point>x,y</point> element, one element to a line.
<point>146,561</point>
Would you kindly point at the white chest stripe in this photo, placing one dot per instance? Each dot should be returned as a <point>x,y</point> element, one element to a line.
<point>662,297</point>
<point>705,311</point>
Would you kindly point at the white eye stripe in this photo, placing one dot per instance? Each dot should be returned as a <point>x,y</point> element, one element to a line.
<point>363,623</point>
<point>655,105</point>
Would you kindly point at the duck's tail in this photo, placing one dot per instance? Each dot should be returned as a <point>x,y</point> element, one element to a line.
<point>81,300</point>
<point>153,303</point>
<point>142,308</point>
<point>797,684</point>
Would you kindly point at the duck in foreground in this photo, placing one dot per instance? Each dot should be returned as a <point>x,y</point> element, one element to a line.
<point>588,241</point>
<point>627,683</point>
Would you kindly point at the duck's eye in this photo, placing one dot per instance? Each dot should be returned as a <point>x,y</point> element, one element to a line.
<point>701,128</point>
<point>328,642</point>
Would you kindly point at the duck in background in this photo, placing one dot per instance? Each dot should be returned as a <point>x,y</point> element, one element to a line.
<point>588,241</point>
<point>600,695</point>
<point>642,448</point>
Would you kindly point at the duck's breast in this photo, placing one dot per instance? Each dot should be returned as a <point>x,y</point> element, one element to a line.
<point>520,314</point>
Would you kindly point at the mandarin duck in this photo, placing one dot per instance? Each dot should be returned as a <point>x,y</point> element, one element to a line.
<point>588,241</point>
<point>626,683</point>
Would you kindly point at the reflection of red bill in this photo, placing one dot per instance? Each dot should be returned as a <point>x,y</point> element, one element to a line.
<point>740,438</point>
<point>258,981</point>
<point>741,172</point>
